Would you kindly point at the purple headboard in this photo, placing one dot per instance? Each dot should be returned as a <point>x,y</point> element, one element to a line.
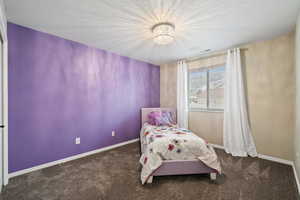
<point>146,111</point>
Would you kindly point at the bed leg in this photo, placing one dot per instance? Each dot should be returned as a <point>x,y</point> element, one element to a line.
<point>150,179</point>
<point>213,176</point>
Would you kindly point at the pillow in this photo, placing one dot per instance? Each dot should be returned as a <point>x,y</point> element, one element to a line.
<point>153,117</point>
<point>160,118</point>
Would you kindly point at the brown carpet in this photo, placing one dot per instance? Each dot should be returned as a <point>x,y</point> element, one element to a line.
<point>114,175</point>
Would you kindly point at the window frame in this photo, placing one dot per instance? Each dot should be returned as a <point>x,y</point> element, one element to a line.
<point>207,109</point>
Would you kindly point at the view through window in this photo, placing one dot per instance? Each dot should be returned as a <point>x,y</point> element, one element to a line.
<point>206,88</point>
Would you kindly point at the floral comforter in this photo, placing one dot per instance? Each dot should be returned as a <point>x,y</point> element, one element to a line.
<point>160,143</point>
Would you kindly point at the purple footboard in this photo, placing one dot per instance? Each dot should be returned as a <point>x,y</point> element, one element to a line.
<point>177,167</point>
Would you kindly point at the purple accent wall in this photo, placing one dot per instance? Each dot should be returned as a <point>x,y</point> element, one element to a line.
<point>60,89</point>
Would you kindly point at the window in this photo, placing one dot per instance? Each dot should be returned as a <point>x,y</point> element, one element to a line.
<point>206,88</point>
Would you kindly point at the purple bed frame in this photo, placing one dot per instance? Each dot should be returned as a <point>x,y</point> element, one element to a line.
<point>177,167</point>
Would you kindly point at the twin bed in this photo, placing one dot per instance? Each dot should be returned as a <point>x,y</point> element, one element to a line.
<point>169,150</point>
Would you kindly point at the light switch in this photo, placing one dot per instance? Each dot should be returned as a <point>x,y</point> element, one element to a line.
<point>77,140</point>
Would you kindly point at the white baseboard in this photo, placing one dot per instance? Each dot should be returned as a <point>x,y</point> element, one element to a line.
<point>25,171</point>
<point>274,159</point>
<point>216,146</point>
<point>296,177</point>
<point>265,157</point>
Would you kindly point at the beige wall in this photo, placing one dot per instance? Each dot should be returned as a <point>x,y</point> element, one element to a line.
<point>168,85</point>
<point>269,70</point>
<point>297,130</point>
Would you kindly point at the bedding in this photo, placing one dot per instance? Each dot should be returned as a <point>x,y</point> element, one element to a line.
<point>159,143</point>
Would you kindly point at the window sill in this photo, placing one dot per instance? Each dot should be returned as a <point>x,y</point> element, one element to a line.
<point>207,111</point>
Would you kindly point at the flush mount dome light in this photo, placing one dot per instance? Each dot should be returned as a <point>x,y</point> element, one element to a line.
<point>163,33</point>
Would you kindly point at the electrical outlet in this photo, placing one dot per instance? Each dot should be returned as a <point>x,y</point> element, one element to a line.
<point>113,133</point>
<point>297,154</point>
<point>77,140</point>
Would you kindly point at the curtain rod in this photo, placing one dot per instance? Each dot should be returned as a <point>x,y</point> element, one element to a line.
<point>212,54</point>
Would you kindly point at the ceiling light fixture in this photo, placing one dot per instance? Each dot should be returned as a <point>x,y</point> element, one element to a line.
<point>163,33</point>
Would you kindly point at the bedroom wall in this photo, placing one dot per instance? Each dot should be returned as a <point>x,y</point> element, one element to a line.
<point>297,127</point>
<point>60,90</point>
<point>269,70</point>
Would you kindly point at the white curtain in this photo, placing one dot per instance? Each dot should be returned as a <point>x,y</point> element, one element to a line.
<point>182,94</point>
<point>237,136</point>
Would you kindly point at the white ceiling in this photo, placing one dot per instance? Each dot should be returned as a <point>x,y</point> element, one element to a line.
<point>124,26</point>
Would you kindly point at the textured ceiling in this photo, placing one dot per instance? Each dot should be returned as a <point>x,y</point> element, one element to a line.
<point>124,26</point>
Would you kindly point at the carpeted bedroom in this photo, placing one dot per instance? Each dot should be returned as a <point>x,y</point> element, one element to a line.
<point>149,100</point>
